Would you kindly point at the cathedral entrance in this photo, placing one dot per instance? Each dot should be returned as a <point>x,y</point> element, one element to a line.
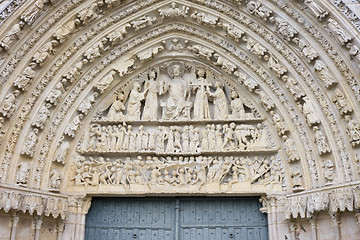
<point>180,218</point>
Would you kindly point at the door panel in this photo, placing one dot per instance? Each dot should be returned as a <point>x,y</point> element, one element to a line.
<point>157,219</point>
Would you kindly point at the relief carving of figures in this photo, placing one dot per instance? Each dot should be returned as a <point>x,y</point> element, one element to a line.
<point>265,100</point>
<point>255,47</point>
<point>224,63</point>
<point>105,82</point>
<point>55,179</point>
<point>297,179</point>
<point>310,113</point>
<point>201,51</point>
<point>289,146</point>
<point>9,104</point>
<point>201,103</point>
<point>118,34</point>
<point>22,174</point>
<point>324,74</point>
<point>294,88</point>
<point>73,126</point>
<point>90,13</point>
<point>232,30</point>
<point>338,32</point>
<point>116,111</point>
<point>174,11</point>
<point>306,49</point>
<point>321,141</point>
<point>250,83</point>
<point>256,8</point>
<point>341,103</point>
<point>176,106</point>
<point>284,28</point>
<point>220,102</point>
<point>62,150</point>
<point>30,15</point>
<point>143,22</point>
<point>176,46</point>
<point>329,172</point>
<point>85,105</point>
<point>95,51</point>
<point>316,9</point>
<point>75,70</point>
<point>279,123</point>
<point>274,64</point>
<point>149,53</point>
<point>28,149</point>
<point>25,77</point>
<point>205,18</point>
<point>135,99</point>
<point>55,94</point>
<point>152,88</point>
<point>236,106</point>
<point>41,116</point>
<point>10,36</point>
<point>66,30</point>
<point>353,130</point>
<point>354,52</point>
<point>45,51</point>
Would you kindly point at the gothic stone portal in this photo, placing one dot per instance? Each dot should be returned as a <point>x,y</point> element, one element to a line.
<point>176,128</point>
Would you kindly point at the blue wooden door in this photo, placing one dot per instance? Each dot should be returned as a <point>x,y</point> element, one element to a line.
<point>175,219</point>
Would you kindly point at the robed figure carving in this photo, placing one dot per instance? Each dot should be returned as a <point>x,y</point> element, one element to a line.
<point>134,104</point>
<point>151,100</point>
<point>177,106</point>
<point>201,103</point>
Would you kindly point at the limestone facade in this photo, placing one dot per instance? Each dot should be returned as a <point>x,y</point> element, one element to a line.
<point>193,97</point>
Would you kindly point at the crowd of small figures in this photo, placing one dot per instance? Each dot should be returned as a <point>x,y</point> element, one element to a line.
<point>176,139</point>
<point>177,171</point>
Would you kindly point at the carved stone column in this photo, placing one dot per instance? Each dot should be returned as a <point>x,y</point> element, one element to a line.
<point>292,226</point>
<point>314,226</point>
<point>37,223</point>
<point>60,229</point>
<point>14,222</point>
<point>75,221</point>
<point>270,207</point>
<point>335,219</point>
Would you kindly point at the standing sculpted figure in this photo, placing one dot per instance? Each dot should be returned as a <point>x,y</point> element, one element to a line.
<point>310,113</point>
<point>176,106</point>
<point>317,10</point>
<point>321,141</point>
<point>41,116</point>
<point>22,175</point>
<point>289,146</point>
<point>324,74</point>
<point>28,148</point>
<point>292,85</point>
<point>185,139</point>
<point>220,102</point>
<point>279,123</point>
<point>9,103</point>
<point>45,51</point>
<point>151,86</point>
<point>134,104</point>
<point>201,103</point>
<point>341,102</point>
<point>25,77</point>
<point>116,109</point>
<point>236,106</point>
<point>11,35</point>
<point>353,130</point>
<point>32,12</point>
<point>338,32</point>
<point>61,152</point>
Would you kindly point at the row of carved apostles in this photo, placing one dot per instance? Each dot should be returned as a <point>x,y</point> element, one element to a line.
<point>177,171</point>
<point>176,139</point>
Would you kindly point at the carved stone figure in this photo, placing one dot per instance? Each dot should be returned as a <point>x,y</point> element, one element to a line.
<point>25,77</point>
<point>289,146</point>
<point>149,53</point>
<point>265,100</point>
<point>279,123</point>
<point>329,173</point>
<point>229,141</point>
<point>143,22</point>
<point>220,102</point>
<point>236,106</point>
<point>9,103</point>
<point>22,174</point>
<point>284,28</point>
<point>134,103</point>
<point>275,65</point>
<point>324,74</point>
<point>61,152</point>
<point>66,30</point>
<point>255,47</point>
<point>354,52</point>
<point>89,13</point>
<point>256,8</point>
<point>73,126</point>
<point>250,83</point>
<point>201,103</point>
<point>118,34</point>
<point>55,94</point>
<point>174,11</point>
<point>306,49</point>
<point>353,130</point>
<point>85,105</point>
<point>10,36</point>
<point>341,103</point>
<point>232,30</point>
<point>297,180</point>
<point>151,87</point>
<point>201,51</point>
<point>176,106</point>
<point>95,50</point>
<point>75,70</point>
<point>105,82</point>
<point>30,15</point>
<point>294,88</point>
<point>316,9</point>
<point>205,18</point>
<point>321,141</point>
<point>45,51</point>
<point>338,32</point>
<point>176,46</point>
<point>41,116</point>
<point>224,63</point>
<point>28,149</point>
<point>310,113</point>
<point>116,111</point>
<point>55,179</point>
